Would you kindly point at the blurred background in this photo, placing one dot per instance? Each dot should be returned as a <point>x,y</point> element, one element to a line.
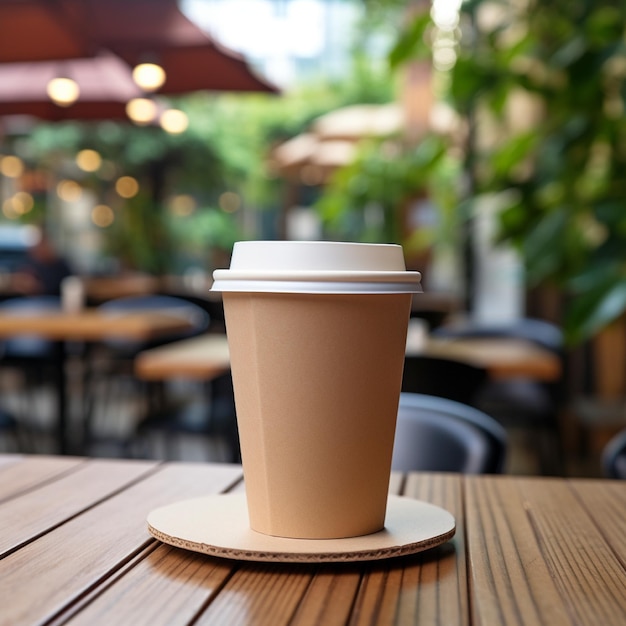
<point>487,137</point>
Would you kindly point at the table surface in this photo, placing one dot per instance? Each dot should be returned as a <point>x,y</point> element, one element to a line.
<point>206,356</point>
<point>90,324</point>
<point>75,548</point>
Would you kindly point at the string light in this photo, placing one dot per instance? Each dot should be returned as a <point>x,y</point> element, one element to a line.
<point>142,111</point>
<point>174,121</point>
<point>149,76</point>
<point>63,91</point>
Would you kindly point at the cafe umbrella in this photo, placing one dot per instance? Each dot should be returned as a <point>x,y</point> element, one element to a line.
<point>138,31</point>
<point>104,87</point>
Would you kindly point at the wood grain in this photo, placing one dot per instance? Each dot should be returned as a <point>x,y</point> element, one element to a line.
<point>528,551</point>
<point>537,557</point>
<point>263,595</point>
<point>30,515</point>
<point>429,588</point>
<point>19,474</point>
<point>605,503</point>
<point>74,557</point>
<point>161,587</point>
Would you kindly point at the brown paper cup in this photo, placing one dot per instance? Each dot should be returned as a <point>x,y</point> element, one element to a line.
<point>317,380</point>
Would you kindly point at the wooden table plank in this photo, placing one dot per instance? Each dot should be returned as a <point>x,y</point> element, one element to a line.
<point>527,551</point>
<point>533,546</point>
<point>200,358</point>
<point>502,357</point>
<point>35,512</point>
<point>606,504</point>
<point>18,474</point>
<point>163,586</point>
<point>91,324</point>
<point>330,595</point>
<point>429,588</point>
<point>82,553</point>
<point>262,594</point>
<point>9,459</point>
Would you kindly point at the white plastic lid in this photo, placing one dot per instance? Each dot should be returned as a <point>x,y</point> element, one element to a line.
<point>316,267</point>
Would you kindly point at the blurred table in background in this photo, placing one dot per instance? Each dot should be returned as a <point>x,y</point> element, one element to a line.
<point>501,357</point>
<point>207,356</point>
<point>89,325</point>
<point>197,358</point>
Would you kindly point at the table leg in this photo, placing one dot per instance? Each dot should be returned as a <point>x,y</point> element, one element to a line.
<point>60,383</point>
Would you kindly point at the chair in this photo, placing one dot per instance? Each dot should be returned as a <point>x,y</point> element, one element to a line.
<point>110,375</point>
<point>537,331</point>
<point>34,356</point>
<point>614,457</point>
<point>195,314</point>
<point>441,435</point>
<point>31,348</point>
<point>445,378</point>
<point>211,415</point>
<point>9,427</point>
<point>524,403</point>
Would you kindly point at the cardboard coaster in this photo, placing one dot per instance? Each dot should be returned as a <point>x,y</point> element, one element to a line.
<point>218,525</point>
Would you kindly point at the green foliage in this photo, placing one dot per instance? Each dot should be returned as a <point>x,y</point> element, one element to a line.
<point>366,200</point>
<point>563,168</point>
<point>224,149</point>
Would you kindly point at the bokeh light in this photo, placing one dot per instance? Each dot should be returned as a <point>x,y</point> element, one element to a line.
<point>102,215</point>
<point>69,190</point>
<point>88,160</point>
<point>182,205</point>
<point>149,76</point>
<point>63,91</point>
<point>23,202</point>
<point>142,111</point>
<point>11,166</point>
<point>174,121</point>
<point>127,186</point>
<point>229,201</point>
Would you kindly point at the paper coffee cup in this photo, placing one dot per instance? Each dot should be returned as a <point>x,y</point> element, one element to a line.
<point>317,334</point>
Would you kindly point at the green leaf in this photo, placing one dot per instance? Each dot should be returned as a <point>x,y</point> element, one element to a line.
<point>513,152</point>
<point>411,44</point>
<point>595,309</point>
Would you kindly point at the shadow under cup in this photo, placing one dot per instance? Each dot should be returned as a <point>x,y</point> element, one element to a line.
<point>317,380</point>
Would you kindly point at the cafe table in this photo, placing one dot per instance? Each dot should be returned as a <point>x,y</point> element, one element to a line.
<point>75,549</point>
<point>87,325</point>
<point>206,356</point>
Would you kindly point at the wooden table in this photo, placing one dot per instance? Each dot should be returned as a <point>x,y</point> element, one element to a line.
<point>85,326</point>
<point>198,358</point>
<point>502,357</point>
<point>206,356</point>
<point>75,548</point>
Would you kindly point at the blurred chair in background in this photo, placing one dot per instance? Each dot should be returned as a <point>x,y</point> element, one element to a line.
<point>440,435</point>
<point>9,433</point>
<point>110,385</point>
<point>210,418</point>
<point>614,457</point>
<point>443,377</point>
<point>523,403</point>
<point>36,360</point>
